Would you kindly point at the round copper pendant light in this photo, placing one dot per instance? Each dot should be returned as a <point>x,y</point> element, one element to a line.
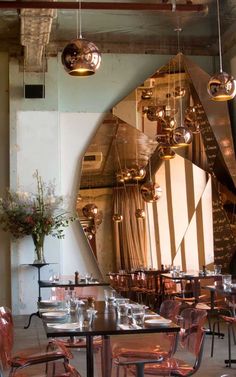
<point>138,173</point>
<point>147,93</point>
<point>179,92</point>
<point>150,192</point>
<point>140,213</point>
<point>90,210</point>
<point>154,113</point>
<point>221,87</point>
<point>182,136</point>
<point>166,153</point>
<point>81,58</point>
<point>117,218</point>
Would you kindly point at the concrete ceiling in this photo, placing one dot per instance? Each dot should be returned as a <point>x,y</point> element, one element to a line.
<point>131,30</point>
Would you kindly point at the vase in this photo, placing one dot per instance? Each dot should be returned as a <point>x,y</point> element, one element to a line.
<point>38,240</point>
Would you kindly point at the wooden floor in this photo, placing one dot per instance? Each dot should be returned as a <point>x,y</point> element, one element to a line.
<point>34,336</point>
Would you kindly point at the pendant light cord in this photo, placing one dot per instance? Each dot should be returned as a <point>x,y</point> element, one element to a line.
<point>179,66</point>
<point>79,22</point>
<point>219,35</point>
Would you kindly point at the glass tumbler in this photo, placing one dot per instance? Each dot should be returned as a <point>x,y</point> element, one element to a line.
<point>227,281</point>
<point>217,269</point>
<point>122,308</point>
<point>138,313</point>
<point>109,296</point>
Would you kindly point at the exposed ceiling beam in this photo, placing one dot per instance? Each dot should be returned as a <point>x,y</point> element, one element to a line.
<point>151,7</point>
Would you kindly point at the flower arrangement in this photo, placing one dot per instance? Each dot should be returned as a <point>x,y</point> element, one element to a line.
<point>38,215</point>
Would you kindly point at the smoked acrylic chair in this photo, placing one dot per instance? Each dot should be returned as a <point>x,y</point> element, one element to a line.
<point>192,343</point>
<point>148,346</point>
<point>190,320</point>
<point>26,357</point>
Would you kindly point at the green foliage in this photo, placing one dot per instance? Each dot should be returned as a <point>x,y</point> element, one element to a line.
<point>23,213</point>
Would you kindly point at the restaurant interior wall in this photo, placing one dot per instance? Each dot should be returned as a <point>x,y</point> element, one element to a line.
<point>72,109</point>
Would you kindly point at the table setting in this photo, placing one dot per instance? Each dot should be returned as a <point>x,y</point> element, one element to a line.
<point>113,316</point>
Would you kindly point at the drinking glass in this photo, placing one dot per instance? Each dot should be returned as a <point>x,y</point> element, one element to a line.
<point>109,296</point>
<point>227,281</point>
<point>88,277</point>
<point>217,269</point>
<point>122,308</point>
<point>137,313</point>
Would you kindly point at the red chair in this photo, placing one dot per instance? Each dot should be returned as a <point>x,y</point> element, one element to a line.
<point>148,346</point>
<point>26,358</point>
<point>193,343</point>
<point>191,319</point>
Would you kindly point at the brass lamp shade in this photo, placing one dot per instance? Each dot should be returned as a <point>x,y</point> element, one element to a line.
<point>81,58</point>
<point>221,87</point>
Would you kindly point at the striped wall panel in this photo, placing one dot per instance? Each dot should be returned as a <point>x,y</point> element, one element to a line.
<point>180,223</point>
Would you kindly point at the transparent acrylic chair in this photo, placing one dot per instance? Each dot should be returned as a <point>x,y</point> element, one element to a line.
<point>26,357</point>
<point>193,343</point>
<point>149,345</point>
<point>190,320</point>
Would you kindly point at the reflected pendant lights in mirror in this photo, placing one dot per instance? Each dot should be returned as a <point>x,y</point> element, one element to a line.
<point>221,87</point>
<point>90,210</point>
<point>117,216</point>
<point>150,191</point>
<point>140,212</point>
<point>81,57</point>
<point>166,153</point>
<point>182,136</point>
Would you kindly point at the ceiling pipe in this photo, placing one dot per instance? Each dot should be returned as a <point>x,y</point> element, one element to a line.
<point>151,7</point>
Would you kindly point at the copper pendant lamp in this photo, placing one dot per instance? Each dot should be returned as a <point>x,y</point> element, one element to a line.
<point>182,136</point>
<point>81,57</point>
<point>221,86</point>
<point>150,191</point>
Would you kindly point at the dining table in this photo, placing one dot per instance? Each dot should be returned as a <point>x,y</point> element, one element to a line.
<point>220,289</point>
<point>105,324</point>
<point>194,279</point>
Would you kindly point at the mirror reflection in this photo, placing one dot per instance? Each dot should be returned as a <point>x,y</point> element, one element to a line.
<point>141,199</point>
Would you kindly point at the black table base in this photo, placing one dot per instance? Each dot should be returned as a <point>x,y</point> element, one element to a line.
<point>36,314</point>
<point>38,266</point>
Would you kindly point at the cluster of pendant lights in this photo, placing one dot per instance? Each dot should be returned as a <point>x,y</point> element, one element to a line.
<point>91,212</point>
<point>81,57</point>
<point>150,192</point>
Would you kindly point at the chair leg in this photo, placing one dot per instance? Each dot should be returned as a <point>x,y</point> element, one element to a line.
<point>213,339</point>
<point>229,334</point>
<point>234,335</point>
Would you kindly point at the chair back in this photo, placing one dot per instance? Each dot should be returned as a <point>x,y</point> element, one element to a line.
<point>6,342</point>
<point>170,309</point>
<point>6,314</point>
<point>191,329</point>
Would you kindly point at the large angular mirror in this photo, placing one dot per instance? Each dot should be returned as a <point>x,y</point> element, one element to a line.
<point>145,195</point>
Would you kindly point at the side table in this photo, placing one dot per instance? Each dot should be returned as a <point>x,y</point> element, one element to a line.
<point>38,266</point>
